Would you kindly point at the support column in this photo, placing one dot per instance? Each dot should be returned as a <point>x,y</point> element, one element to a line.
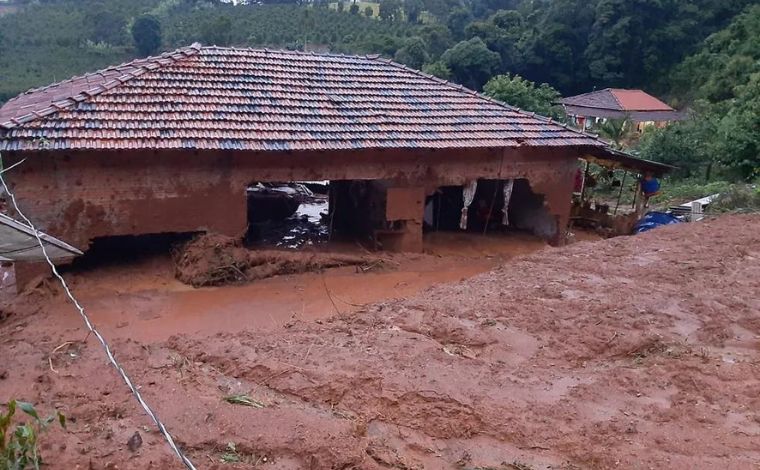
<point>404,210</point>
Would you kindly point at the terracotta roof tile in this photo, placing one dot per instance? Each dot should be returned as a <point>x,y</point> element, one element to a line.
<point>618,100</point>
<point>246,99</point>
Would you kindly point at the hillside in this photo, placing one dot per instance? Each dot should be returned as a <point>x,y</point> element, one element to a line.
<point>573,45</point>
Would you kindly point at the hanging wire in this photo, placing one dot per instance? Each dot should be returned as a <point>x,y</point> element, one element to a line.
<point>111,358</point>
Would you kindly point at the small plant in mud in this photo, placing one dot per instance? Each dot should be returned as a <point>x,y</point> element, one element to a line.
<point>243,400</point>
<point>19,446</point>
<point>232,454</point>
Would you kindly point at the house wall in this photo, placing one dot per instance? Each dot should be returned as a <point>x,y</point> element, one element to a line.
<point>78,196</point>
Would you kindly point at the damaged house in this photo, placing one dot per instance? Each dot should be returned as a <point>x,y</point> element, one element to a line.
<point>170,144</point>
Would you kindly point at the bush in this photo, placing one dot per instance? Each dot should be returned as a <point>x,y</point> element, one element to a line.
<point>737,198</point>
<point>676,191</point>
<point>19,447</point>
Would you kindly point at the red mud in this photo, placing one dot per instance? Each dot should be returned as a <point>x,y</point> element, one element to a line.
<point>214,260</point>
<point>634,352</point>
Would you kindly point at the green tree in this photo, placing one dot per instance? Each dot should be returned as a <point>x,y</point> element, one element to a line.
<point>217,31</point>
<point>553,51</point>
<point>438,69</point>
<point>389,9</point>
<point>722,81</point>
<point>107,26</point>
<point>369,12</point>
<point>681,144</point>
<point>437,37</point>
<point>146,33</point>
<point>471,62</point>
<point>634,42</point>
<point>458,20</point>
<point>727,61</point>
<point>354,9</point>
<point>501,33</point>
<point>440,8</point>
<point>524,94</point>
<point>412,53</point>
<point>615,131</point>
<point>412,10</point>
<point>737,135</point>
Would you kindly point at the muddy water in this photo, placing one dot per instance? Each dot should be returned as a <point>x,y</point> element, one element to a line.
<point>144,302</point>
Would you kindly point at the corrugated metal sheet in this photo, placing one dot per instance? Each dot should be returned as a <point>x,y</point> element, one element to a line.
<point>18,243</point>
<point>247,99</point>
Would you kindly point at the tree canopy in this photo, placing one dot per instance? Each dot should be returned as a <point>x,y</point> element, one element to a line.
<point>524,94</point>
<point>723,81</point>
<point>700,54</point>
<point>146,32</point>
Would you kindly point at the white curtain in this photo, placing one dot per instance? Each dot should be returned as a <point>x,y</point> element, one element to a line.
<point>508,184</point>
<point>468,194</point>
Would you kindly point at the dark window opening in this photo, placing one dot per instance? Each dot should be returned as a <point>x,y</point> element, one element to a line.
<point>287,215</point>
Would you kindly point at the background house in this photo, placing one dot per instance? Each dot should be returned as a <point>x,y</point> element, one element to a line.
<point>637,106</point>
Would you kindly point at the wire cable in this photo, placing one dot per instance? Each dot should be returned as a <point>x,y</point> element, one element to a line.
<point>111,358</point>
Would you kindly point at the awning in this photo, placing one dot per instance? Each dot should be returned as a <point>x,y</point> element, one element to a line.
<point>610,158</point>
<point>18,243</point>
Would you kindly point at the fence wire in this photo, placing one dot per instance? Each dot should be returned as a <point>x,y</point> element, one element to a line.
<point>111,358</point>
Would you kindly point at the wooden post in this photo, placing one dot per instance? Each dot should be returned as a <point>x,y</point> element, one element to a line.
<point>620,193</point>
<point>583,186</point>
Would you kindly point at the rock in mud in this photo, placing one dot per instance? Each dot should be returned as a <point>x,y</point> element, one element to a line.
<point>134,442</point>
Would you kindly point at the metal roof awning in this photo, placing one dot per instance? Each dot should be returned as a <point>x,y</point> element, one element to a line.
<point>612,158</point>
<point>18,243</point>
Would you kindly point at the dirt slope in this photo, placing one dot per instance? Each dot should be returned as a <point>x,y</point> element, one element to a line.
<point>635,352</point>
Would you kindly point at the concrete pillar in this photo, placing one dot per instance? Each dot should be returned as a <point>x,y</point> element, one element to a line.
<point>404,209</point>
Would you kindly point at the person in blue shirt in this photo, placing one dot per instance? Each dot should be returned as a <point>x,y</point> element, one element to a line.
<point>650,186</point>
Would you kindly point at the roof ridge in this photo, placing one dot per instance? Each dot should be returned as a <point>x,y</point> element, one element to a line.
<point>615,97</point>
<point>143,65</point>
<point>286,51</point>
<point>492,100</point>
<point>586,93</point>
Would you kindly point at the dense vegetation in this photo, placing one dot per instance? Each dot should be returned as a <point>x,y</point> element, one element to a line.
<point>723,84</point>
<point>700,54</point>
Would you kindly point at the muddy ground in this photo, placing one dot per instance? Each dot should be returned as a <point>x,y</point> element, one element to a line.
<point>634,352</point>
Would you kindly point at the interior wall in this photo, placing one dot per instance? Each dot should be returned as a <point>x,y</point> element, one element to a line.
<point>528,211</point>
<point>357,207</point>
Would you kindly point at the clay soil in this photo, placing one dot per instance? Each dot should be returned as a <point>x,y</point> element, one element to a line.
<point>633,352</point>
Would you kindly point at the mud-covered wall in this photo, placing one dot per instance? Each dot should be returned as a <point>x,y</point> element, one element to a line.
<point>528,211</point>
<point>82,195</point>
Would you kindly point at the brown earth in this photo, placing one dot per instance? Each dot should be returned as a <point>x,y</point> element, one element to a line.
<point>633,352</point>
<point>214,260</point>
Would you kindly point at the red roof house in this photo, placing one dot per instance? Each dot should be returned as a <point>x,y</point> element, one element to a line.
<point>615,103</point>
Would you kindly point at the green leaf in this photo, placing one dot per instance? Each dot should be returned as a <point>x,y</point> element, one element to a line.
<point>28,408</point>
<point>11,408</point>
<point>61,419</point>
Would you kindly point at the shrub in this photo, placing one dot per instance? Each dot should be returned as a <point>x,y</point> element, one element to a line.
<point>19,447</point>
<point>738,198</point>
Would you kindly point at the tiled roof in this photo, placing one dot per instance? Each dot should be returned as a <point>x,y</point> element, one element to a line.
<point>618,100</point>
<point>246,99</point>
